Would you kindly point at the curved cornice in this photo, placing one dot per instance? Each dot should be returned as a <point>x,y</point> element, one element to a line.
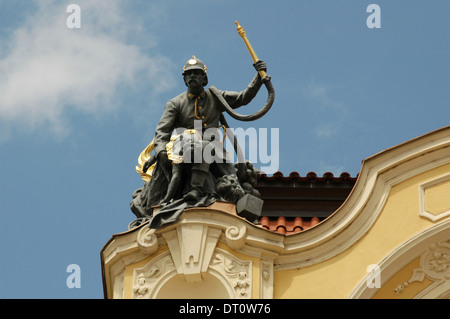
<point>359,212</point>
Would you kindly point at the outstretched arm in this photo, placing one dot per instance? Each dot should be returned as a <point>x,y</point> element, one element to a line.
<point>237,99</point>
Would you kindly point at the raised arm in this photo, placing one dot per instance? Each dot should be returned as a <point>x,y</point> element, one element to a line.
<point>237,99</point>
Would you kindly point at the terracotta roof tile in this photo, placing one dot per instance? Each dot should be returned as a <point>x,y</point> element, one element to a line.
<point>295,203</point>
<point>288,226</point>
<point>311,176</point>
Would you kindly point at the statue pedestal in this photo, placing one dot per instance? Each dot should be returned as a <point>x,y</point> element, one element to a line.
<point>204,254</point>
<point>225,207</point>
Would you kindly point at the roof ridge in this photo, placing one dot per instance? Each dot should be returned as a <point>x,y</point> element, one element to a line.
<point>310,176</point>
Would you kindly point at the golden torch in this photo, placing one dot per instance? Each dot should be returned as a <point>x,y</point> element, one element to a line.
<point>241,32</point>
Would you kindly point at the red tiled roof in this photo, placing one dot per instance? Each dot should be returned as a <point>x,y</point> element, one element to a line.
<point>288,226</point>
<point>294,203</point>
<point>310,177</point>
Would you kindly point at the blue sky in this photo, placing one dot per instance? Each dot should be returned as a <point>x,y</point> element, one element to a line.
<point>77,106</point>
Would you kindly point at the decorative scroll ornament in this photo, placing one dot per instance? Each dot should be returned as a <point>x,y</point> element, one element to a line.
<point>236,236</point>
<point>147,241</point>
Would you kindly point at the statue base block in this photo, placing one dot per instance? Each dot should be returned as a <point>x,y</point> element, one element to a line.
<point>250,207</point>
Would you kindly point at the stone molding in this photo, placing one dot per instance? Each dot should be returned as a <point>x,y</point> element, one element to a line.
<point>423,198</point>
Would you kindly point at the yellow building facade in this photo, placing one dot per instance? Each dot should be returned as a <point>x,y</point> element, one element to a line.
<point>389,239</point>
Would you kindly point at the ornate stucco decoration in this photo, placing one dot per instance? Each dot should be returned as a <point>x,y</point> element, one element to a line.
<point>237,273</point>
<point>432,246</point>
<point>151,276</point>
<point>434,265</point>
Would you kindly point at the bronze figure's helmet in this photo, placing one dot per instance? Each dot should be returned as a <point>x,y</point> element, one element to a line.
<point>195,64</point>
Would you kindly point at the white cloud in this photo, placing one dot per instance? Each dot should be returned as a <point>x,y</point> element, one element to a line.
<point>331,113</point>
<point>317,92</point>
<point>326,130</point>
<point>48,68</point>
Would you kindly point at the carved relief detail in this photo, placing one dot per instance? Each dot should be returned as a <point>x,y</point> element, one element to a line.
<point>266,281</point>
<point>147,277</point>
<point>237,273</point>
<point>193,252</point>
<point>434,265</point>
